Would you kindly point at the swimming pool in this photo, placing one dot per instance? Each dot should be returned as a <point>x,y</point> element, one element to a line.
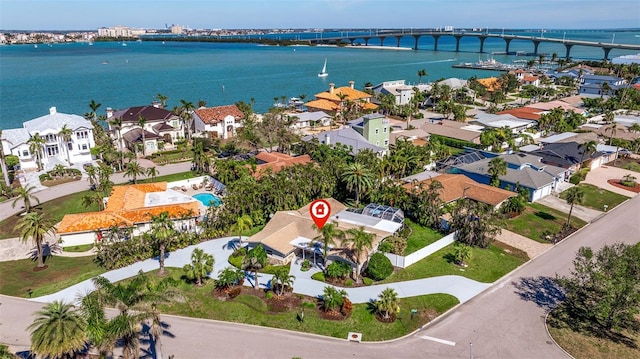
<point>208,199</point>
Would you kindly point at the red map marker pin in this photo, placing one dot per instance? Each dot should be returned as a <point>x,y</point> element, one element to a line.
<point>320,211</point>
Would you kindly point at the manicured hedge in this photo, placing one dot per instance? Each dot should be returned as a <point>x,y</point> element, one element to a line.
<point>380,267</point>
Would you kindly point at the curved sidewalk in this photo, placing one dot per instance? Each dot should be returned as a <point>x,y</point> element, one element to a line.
<point>460,287</point>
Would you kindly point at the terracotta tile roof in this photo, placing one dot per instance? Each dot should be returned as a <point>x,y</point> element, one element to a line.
<point>330,100</point>
<point>277,161</point>
<point>548,106</point>
<point>455,186</point>
<point>530,78</point>
<point>490,83</point>
<point>323,105</point>
<point>214,115</point>
<point>526,113</point>
<point>352,94</point>
<point>126,207</point>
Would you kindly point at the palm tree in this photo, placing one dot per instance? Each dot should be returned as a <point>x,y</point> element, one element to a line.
<point>134,170</point>
<point>497,168</point>
<point>162,231</point>
<point>35,147</point>
<point>242,224</point>
<point>156,329</point>
<point>358,179</point>
<point>185,114</point>
<point>421,73</point>
<point>25,194</point>
<point>462,252</point>
<point>201,265</point>
<point>152,172</point>
<point>387,303</point>
<point>255,260</point>
<point>141,122</point>
<point>58,331</point>
<point>282,279</point>
<point>609,116</point>
<point>614,130</point>
<point>332,298</point>
<point>3,165</point>
<point>65,136</point>
<point>117,125</point>
<point>94,108</point>
<point>163,99</point>
<point>575,195</point>
<point>360,243</point>
<point>35,226</point>
<point>588,148</point>
<point>328,233</point>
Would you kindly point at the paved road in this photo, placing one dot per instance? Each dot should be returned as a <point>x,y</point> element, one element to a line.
<point>506,321</point>
<point>50,193</point>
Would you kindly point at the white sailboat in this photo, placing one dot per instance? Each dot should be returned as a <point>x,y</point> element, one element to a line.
<point>324,72</point>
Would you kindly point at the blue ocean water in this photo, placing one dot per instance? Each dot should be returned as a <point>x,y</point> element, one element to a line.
<point>69,76</point>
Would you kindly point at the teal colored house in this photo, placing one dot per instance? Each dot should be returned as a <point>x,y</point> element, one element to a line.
<point>375,128</point>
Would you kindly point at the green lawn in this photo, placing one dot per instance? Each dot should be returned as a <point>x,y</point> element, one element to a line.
<point>55,209</point>
<point>537,219</point>
<point>420,237</point>
<point>78,248</point>
<point>249,309</point>
<point>596,197</point>
<point>18,276</point>
<point>485,265</point>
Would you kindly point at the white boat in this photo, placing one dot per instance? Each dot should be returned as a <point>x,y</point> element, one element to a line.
<point>324,72</point>
<point>35,46</point>
<point>124,43</point>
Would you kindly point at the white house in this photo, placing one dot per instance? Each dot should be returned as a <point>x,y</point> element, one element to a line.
<point>399,89</point>
<point>217,122</point>
<point>310,119</point>
<point>53,149</point>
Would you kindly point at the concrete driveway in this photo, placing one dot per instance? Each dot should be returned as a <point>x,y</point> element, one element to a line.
<point>584,213</point>
<point>599,177</point>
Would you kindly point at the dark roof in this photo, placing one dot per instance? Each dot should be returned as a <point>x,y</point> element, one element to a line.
<point>135,135</point>
<point>150,113</point>
<point>563,154</point>
<point>163,127</point>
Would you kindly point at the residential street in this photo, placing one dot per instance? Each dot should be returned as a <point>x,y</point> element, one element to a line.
<point>506,321</point>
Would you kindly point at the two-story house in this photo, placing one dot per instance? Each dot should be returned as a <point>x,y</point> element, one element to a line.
<point>217,122</point>
<point>44,138</point>
<point>374,128</point>
<point>161,128</point>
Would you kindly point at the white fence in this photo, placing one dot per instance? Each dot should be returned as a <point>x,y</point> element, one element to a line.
<point>404,262</point>
<point>188,182</point>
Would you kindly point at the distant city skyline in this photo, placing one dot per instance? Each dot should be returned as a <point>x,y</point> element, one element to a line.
<point>261,14</point>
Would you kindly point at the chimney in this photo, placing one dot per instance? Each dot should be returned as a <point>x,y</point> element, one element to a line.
<point>52,110</point>
<point>156,104</point>
<point>109,112</point>
<point>331,86</point>
<point>327,139</point>
<point>351,83</point>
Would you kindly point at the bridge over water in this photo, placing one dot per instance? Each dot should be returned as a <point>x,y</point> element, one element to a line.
<point>436,35</point>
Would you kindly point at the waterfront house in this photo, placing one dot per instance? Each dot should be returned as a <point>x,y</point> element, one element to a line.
<point>161,128</point>
<point>402,92</point>
<point>335,99</point>
<point>291,232</point>
<point>130,207</point>
<point>348,137</point>
<point>305,120</point>
<point>54,149</point>
<point>217,122</point>
<point>523,170</point>
<point>374,128</point>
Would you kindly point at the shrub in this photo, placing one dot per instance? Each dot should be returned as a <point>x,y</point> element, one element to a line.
<point>338,270</point>
<point>398,244</point>
<point>318,276</point>
<point>269,295</point>
<point>240,252</point>
<point>385,247</point>
<point>380,267</point>
<point>306,265</point>
<point>308,305</point>
<point>367,281</point>
<point>347,307</point>
<point>348,283</point>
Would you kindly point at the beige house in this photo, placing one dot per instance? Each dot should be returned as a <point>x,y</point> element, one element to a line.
<point>291,233</point>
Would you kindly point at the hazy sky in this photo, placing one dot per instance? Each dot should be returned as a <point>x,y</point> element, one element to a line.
<point>228,14</point>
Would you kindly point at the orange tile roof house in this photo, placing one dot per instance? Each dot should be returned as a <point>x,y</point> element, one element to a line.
<point>129,206</point>
<point>274,162</point>
<point>456,186</point>
<point>219,122</point>
<point>330,101</point>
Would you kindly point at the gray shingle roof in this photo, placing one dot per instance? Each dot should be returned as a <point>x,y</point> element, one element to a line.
<point>55,121</point>
<point>15,136</point>
<point>526,176</point>
<point>345,136</point>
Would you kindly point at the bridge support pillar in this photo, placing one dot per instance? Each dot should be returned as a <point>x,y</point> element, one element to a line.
<point>568,47</point>
<point>507,43</point>
<point>458,37</point>
<point>435,42</point>
<point>366,41</point>
<point>398,41</point>
<point>382,40</point>
<point>352,40</point>
<point>482,38</point>
<point>606,52</point>
<point>535,47</point>
<point>415,41</point>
